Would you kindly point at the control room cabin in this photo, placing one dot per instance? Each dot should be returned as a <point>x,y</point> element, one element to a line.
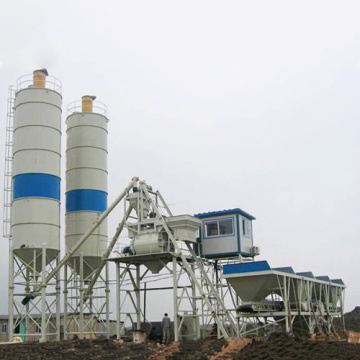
<point>226,233</point>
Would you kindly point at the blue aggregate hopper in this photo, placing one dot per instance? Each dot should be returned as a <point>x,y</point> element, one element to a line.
<point>308,274</point>
<point>338,281</point>
<point>286,269</point>
<point>246,267</point>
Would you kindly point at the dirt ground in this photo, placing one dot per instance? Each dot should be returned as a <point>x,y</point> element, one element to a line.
<point>352,320</point>
<point>282,348</point>
<point>276,348</point>
<point>77,349</point>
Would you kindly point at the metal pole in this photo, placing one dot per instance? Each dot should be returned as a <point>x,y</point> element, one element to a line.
<point>27,307</point>
<point>34,265</point>
<point>342,304</point>
<point>290,314</point>
<point>43,295</point>
<point>144,302</point>
<point>286,303</point>
<point>81,320</point>
<point>202,312</point>
<point>164,203</point>
<point>193,295</point>
<point>137,292</point>
<point>11,292</point>
<point>107,305</point>
<point>217,305</point>
<point>309,304</point>
<point>237,318</point>
<point>65,300</point>
<point>58,336</point>
<point>176,329</point>
<point>117,300</point>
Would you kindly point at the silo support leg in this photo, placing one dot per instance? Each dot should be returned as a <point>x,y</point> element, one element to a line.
<point>27,307</point>
<point>43,295</point>
<point>81,320</point>
<point>11,294</point>
<point>58,335</point>
<point>65,292</point>
<point>107,305</point>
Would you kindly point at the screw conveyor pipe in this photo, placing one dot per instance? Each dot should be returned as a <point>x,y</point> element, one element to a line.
<point>71,252</point>
<point>106,254</point>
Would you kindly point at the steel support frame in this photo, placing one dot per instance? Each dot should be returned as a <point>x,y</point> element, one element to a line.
<point>133,280</point>
<point>85,317</point>
<point>187,301</point>
<point>40,317</point>
<point>47,284</point>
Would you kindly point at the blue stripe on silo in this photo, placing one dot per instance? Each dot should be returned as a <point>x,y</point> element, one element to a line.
<point>36,185</point>
<point>86,200</point>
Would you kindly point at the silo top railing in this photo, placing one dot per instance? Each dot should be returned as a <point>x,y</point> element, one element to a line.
<point>27,81</point>
<point>77,107</point>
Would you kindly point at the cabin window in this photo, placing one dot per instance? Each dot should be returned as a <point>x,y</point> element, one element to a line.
<point>4,328</point>
<point>226,226</point>
<point>246,225</point>
<point>220,227</point>
<point>211,228</point>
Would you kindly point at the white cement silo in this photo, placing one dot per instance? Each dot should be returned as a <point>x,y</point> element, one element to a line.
<point>86,182</point>
<point>35,218</point>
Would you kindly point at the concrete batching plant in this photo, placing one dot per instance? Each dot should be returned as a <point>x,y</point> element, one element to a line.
<point>209,257</point>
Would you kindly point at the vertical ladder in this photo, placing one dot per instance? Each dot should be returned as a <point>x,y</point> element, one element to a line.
<point>9,146</point>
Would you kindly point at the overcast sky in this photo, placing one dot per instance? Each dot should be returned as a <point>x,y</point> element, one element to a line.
<point>218,104</point>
